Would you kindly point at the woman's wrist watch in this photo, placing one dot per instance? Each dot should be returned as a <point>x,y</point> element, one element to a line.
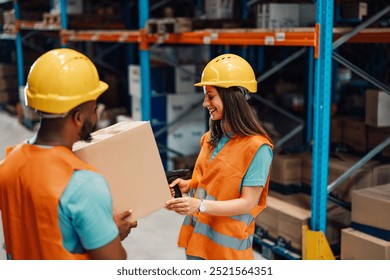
<point>202,206</point>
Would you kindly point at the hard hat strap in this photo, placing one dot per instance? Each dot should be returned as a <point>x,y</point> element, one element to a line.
<point>245,92</point>
<point>52,116</point>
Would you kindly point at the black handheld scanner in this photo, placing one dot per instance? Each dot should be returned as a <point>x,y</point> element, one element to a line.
<point>173,175</point>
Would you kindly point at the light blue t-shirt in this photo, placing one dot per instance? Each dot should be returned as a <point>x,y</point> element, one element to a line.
<point>258,170</point>
<point>85,213</point>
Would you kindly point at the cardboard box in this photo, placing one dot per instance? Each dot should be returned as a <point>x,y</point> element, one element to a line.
<point>356,245</point>
<point>284,219</point>
<point>8,84</point>
<point>72,7</point>
<point>286,169</point>
<point>161,78</point>
<point>8,70</point>
<point>307,14</point>
<point>290,222</point>
<point>362,178</point>
<point>355,134</point>
<point>337,217</point>
<point>185,79</point>
<point>376,135</point>
<point>188,106</point>
<point>268,220</point>
<point>277,15</point>
<point>136,108</point>
<point>219,9</point>
<point>381,175</point>
<point>336,129</point>
<point>371,207</point>
<point>354,10</point>
<point>307,159</point>
<point>126,155</point>
<point>377,108</point>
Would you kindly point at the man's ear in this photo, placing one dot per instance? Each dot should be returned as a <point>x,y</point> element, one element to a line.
<point>77,118</point>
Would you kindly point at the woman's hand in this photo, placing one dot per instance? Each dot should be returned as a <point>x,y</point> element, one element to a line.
<point>183,184</point>
<point>183,205</point>
<point>242,205</point>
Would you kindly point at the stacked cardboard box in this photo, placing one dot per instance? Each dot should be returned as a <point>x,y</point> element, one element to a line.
<point>286,169</point>
<point>369,237</point>
<point>285,216</point>
<point>357,245</point>
<point>337,165</point>
<point>377,111</point>
<point>8,84</point>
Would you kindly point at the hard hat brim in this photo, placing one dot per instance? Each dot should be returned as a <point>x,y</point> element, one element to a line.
<point>49,103</point>
<point>251,87</point>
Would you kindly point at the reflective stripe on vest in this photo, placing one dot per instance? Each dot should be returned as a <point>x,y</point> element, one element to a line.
<point>221,239</point>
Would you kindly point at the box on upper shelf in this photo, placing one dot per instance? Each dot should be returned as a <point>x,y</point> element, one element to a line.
<point>377,108</point>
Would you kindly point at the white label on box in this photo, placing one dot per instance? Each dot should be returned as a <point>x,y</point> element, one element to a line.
<point>136,111</point>
<point>134,80</point>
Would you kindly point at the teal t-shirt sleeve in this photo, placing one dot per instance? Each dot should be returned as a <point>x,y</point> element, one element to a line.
<point>87,205</point>
<point>258,170</point>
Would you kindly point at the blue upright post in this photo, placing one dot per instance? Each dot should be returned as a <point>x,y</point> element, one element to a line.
<point>322,90</point>
<point>64,18</point>
<point>19,55</point>
<point>145,65</point>
<point>309,96</point>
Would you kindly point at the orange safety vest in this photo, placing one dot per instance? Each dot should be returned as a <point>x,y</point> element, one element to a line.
<point>32,180</point>
<point>218,237</point>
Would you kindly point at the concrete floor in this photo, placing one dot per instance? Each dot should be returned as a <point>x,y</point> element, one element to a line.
<point>154,238</point>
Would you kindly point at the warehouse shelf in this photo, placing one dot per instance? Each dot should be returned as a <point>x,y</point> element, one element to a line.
<point>37,25</point>
<point>368,35</point>
<point>242,37</point>
<point>7,36</point>
<point>113,36</point>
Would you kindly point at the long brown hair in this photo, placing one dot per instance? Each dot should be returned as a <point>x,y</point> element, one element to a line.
<point>238,116</point>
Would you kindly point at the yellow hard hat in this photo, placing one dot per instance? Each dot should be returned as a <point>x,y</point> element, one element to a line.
<point>229,70</point>
<point>62,79</point>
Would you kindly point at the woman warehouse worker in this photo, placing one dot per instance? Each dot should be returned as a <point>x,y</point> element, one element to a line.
<point>229,184</point>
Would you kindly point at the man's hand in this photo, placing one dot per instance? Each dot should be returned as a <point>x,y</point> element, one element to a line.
<point>123,225</point>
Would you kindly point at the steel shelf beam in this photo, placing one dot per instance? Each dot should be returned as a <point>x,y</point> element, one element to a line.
<point>36,25</point>
<point>101,36</point>
<point>305,37</point>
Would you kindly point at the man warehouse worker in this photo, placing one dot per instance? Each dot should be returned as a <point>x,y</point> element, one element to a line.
<point>53,204</point>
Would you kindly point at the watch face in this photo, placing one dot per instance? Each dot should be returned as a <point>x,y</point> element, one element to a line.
<point>202,207</point>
